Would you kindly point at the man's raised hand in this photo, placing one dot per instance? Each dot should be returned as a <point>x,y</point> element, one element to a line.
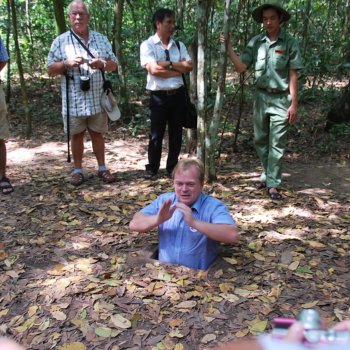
<point>75,61</point>
<point>186,212</point>
<point>222,38</point>
<point>165,213</point>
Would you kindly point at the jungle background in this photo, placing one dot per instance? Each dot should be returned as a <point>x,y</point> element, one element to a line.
<point>72,274</point>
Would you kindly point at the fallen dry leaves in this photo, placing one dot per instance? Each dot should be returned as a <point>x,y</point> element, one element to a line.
<point>74,277</point>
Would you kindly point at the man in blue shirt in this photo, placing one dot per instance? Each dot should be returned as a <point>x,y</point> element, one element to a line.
<point>191,224</point>
<point>5,185</point>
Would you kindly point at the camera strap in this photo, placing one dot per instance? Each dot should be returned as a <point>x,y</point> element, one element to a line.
<point>88,51</point>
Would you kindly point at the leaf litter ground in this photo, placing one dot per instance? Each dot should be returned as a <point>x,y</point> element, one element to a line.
<point>73,276</point>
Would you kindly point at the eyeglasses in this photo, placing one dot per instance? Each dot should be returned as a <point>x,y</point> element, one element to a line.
<point>76,14</point>
<point>167,57</point>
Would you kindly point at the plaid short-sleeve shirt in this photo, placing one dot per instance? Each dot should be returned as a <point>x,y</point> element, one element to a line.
<point>65,46</point>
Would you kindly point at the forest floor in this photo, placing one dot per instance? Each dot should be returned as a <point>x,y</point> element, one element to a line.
<point>73,276</point>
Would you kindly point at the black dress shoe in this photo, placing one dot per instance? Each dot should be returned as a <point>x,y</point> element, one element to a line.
<point>149,174</point>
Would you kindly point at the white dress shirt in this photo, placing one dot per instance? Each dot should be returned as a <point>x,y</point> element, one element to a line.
<point>152,50</point>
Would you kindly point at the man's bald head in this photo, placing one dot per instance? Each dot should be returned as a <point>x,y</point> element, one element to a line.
<point>79,2</point>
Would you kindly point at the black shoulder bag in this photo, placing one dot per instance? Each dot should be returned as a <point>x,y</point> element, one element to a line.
<point>190,121</point>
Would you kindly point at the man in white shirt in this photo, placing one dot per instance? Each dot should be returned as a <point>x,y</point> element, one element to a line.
<point>165,64</point>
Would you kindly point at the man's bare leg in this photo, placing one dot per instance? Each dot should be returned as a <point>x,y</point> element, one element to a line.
<point>78,152</point>
<point>98,146</point>
<point>3,167</point>
<point>2,158</point>
<point>78,149</point>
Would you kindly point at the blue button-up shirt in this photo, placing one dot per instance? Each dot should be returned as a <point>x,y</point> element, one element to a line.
<point>183,245</point>
<point>3,53</point>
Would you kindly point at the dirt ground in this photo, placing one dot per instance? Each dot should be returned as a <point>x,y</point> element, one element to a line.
<point>306,174</point>
<point>73,276</point>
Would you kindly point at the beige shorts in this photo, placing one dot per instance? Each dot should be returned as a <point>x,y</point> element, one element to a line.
<point>96,122</point>
<point>4,123</point>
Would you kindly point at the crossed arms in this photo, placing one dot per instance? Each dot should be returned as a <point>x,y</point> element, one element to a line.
<point>159,68</point>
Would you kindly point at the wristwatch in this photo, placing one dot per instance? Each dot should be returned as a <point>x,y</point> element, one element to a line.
<point>104,64</point>
<point>170,65</point>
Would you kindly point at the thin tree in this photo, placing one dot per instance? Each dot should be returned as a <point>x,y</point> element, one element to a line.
<point>60,20</point>
<point>305,25</point>
<point>242,80</point>
<point>191,137</point>
<point>214,123</point>
<point>346,26</point>
<point>118,18</point>
<point>202,13</point>
<point>180,14</point>
<point>8,30</point>
<point>20,70</point>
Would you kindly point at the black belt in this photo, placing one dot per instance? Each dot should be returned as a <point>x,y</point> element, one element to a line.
<point>168,92</point>
<point>275,91</point>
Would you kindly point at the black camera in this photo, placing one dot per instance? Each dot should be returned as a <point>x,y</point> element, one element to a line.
<point>84,83</point>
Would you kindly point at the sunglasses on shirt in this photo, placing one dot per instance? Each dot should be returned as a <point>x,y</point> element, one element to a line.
<point>167,56</point>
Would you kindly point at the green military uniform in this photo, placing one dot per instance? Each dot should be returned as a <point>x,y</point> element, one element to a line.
<point>272,62</point>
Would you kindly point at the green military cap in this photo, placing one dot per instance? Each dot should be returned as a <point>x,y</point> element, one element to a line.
<point>257,13</point>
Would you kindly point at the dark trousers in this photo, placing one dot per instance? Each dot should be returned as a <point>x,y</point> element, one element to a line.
<point>165,109</point>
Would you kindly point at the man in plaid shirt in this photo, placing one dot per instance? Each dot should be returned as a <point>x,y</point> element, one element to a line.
<point>5,185</point>
<point>67,55</point>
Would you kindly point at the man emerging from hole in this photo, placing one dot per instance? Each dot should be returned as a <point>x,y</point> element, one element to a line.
<point>191,224</point>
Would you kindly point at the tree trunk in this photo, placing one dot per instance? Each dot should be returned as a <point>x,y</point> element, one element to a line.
<point>214,124</point>
<point>346,26</point>
<point>150,9</point>
<point>8,30</point>
<point>118,19</point>
<point>209,53</point>
<point>240,110</point>
<point>305,25</point>
<point>20,70</point>
<point>191,139</point>
<point>29,24</point>
<point>136,23</point>
<point>323,43</point>
<point>202,26</point>
<point>60,21</point>
<point>340,113</point>
<point>180,15</point>
<point>241,80</point>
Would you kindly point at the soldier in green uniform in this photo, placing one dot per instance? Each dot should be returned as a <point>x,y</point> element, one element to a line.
<point>276,58</point>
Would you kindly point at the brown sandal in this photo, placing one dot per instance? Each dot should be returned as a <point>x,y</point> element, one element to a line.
<point>77,179</point>
<point>106,176</point>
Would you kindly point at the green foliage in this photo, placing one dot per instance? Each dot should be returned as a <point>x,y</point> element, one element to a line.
<point>139,122</point>
<point>325,53</point>
<point>341,130</point>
